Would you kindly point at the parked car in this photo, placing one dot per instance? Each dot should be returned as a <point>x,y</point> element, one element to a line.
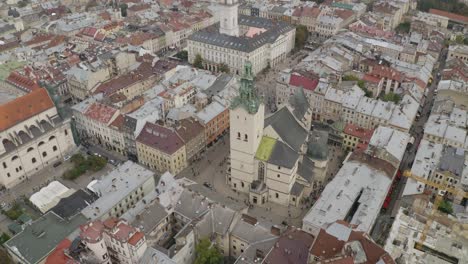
<point>56,164</point>
<point>66,158</point>
<point>208,185</point>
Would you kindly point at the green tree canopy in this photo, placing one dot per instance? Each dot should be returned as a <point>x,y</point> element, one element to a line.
<point>446,207</point>
<point>391,97</point>
<point>301,37</point>
<point>454,6</point>
<point>223,68</point>
<point>198,62</point>
<point>403,27</point>
<point>207,253</point>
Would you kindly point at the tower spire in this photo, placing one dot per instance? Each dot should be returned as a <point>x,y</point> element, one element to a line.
<point>247,96</point>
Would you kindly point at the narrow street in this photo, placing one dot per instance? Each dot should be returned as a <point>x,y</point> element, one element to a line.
<point>385,220</point>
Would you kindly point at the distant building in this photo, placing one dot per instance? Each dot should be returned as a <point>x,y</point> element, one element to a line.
<point>238,39</point>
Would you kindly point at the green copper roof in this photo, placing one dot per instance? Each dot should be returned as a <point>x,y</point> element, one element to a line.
<point>265,148</point>
<point>247,97</point>
<point>343,5</point>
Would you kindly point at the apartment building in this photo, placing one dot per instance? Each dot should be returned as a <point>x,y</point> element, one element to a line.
<point>355,137</point>
<point>161,149</point>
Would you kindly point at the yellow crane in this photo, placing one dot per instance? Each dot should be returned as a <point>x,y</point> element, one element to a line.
<point>442,188</point>
<point>439,186</point>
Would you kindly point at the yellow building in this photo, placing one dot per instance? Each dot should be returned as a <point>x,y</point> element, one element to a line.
<point>161,149</point>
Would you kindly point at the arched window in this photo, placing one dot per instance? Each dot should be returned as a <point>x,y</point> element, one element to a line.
<point>261,171</point>
<point>30,149</point>
<point>14,157</point>
<point>33,160</point>
<point>246,138</point>
<point>51,137</point>
<point>4,165</point>
<point>40,143</point>
<point>238,135</point>
<point>54,148</point>
<point>44,154</point>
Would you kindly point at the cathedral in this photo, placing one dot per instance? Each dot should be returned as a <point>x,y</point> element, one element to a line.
<point>237,39</point>
<point>269,159</point>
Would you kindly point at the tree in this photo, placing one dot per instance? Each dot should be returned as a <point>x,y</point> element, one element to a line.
<point>301,37</point>
<point>5,257</point>
<point>123,9</point>
<point>454,6</point>
<point>183,55</point>
<point>223,68</point>
<point>207,253</point>
<point>198,62</point>
<point>403,27</point>
<point>391,97</point>
<point>446,207</point>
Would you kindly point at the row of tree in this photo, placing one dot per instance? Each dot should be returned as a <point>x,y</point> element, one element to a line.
<point>454,6</point>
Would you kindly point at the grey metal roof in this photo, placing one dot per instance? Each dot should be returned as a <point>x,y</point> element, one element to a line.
<point>282,155</point>
<point>306,169</point>
<point>212,36</point>
<point>149,218</point>
<point>219,84</point>
<point>452,160</point>
<point>37,240</point>
<point>287,127</point>
<point>299,103</point>
<point>297,189</point>
<point>318,147</point>
<point>73,204</point>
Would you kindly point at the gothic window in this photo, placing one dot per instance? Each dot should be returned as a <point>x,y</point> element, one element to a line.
<point>261,171</point>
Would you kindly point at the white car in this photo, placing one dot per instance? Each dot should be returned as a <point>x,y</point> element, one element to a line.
<point>67,157</point>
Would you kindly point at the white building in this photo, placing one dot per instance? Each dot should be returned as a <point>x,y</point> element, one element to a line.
<point>267,155</point>
<point>114,241</point>
<point>32,136</point>
<point>119,190</point>
<point>239,39</point>
<point>361,185</point>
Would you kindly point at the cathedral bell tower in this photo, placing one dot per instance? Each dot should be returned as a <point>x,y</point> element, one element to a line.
<point>228,18</point>
<point>246,120</point>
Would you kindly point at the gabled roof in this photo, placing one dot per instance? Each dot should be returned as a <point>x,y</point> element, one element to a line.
<point>286,126</point>
<point>161,138</point>
<point>24,107</point>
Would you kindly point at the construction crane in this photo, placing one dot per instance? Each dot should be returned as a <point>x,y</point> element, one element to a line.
<point>455,192</point>
<point>442,189</point>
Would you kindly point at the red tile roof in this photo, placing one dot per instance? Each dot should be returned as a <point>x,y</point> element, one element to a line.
<point>161,138</point>
<point>92,231</point>
<point>124,232</point>
<point>292,247</point>
<point>359,132</point>
<point>451,16</point>
<point>370,78</point>
<point>24,107</point>
<point>327,247</point>
<point>304,82</point>
<point>100,112</point>
<point>135,238</point>
<point>387,72</point>
<point>111,222</point>
<point>58,255</point>
<point>22,82</point>
<point>143,72</point>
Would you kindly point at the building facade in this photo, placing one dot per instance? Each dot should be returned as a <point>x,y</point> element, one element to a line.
<point>161,148</point>
<point>32,136</point>
<point>239,39</point>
